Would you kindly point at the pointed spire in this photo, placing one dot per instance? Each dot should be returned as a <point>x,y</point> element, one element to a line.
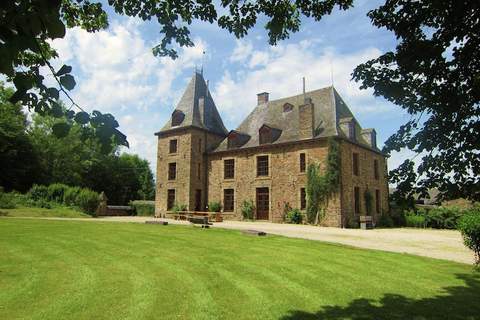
<point>198,108</point>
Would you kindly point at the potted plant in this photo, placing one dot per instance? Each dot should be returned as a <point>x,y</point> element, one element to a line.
<point>215,208</point>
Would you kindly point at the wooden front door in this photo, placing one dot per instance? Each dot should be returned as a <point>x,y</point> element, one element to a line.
<point>198,200</point>
<point>263,203</point>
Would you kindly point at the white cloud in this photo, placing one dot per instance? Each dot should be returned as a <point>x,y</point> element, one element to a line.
<point>242,51</point>
<point>279,70</point>
<point>118,70</point>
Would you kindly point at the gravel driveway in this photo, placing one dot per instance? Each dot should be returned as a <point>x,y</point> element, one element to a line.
<point>441,244</point>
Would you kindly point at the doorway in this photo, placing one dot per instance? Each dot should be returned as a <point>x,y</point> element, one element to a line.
<point>263,203</point>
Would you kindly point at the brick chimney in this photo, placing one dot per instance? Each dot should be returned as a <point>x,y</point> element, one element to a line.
<point>306,120</point>
<point>262,98</point>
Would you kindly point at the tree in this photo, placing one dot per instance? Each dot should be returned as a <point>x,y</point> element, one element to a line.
<point>27,26</point>
<point>18,162</point>
<point>434,74</point>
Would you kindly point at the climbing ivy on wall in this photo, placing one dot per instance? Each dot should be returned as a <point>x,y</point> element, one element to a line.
<point>320,187</point>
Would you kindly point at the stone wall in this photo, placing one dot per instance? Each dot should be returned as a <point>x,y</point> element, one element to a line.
<point>192,145</point>
<point>365,180</point>
<point>284,181</point>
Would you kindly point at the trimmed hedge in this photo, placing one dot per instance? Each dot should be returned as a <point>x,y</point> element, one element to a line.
<point>143,207</point>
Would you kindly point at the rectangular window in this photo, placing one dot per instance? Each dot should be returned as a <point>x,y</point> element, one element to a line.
<point>228,200</point>
<point>199,171</point>
<point>303,199</point>
<point>200,145</point>
<point>170,198</point>
<point>355,164</point>
<point>262,166</point>
<point>356,195</point>
<point>302,162</point>
<point>172,171</point>
<point>377,201</point>
<point>375,169</point>
<point>229,169</point>
<point>173,146</point>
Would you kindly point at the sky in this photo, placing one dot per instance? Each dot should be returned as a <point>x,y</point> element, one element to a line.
<point>116,72</point>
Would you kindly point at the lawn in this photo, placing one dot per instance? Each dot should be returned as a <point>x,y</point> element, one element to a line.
<point>61,212</point>
<point>104,270</point>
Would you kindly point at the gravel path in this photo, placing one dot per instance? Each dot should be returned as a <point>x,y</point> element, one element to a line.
<point>441,244</point>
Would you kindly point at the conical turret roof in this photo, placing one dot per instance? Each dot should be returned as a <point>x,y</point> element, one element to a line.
<point>193,113</point>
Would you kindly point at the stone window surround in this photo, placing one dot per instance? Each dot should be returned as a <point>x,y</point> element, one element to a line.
<point>171,143</point>
<point>233,202</point>
<point>376,173</point>
<point>172,175</point>
<point>299,161</point>
<point>234,168</point>
<point>356,164</point>
<point>357,204</point>
<point>300,198</point>
<point>170,204</point>
<point>269,157</point>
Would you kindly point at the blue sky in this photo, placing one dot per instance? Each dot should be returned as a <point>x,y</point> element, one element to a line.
<point>116,72</point>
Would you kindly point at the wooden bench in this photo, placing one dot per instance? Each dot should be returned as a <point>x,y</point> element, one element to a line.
<point>203,221</point>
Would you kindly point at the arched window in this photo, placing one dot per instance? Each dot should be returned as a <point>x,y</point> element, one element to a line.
<point>287,107</point>
<point>177,118</point>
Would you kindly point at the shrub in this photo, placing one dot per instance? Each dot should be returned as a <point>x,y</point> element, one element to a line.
<point>398,218</point>
<point>88,201</point>
<point>294,216</point>
<point>143,207</point>
<point>469,226</point>
<point>41,203</point>
<point>214,206</point>
<point>179,207</point>
<point>415,220</point>
<point>70,195</point>
<point>385,221</point>
<point>56,191</point>
<point>247,209</point>
<point>443,218</point>
<point>7,201</point>
<point>38,192</point>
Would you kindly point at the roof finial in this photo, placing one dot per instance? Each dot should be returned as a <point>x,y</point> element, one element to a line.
<point>203,61</point>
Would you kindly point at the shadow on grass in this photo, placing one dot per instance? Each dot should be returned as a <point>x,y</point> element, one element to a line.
<point>459,302</point>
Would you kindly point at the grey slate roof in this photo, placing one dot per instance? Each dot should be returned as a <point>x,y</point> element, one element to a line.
<point>272,114</point>
<point>328,106</point>
<point>208,119</point>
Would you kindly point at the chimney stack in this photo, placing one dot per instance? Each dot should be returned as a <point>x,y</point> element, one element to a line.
<point>262,98</point>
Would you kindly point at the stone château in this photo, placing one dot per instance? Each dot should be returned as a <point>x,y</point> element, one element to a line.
<point>265,159</point>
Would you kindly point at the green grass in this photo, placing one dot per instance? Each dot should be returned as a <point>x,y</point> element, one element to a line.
<point>62,212</point>
<point>103,270</point>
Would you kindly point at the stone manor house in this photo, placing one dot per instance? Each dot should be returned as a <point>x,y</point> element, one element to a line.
<point>265,159</point>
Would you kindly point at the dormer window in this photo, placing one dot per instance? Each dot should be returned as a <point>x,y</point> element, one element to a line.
<point>177,118</point>
<point>351,130</point>
<point>236,139</point>
<point>268,134</point>
<point>287,107</point>
<point>265,133</point>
